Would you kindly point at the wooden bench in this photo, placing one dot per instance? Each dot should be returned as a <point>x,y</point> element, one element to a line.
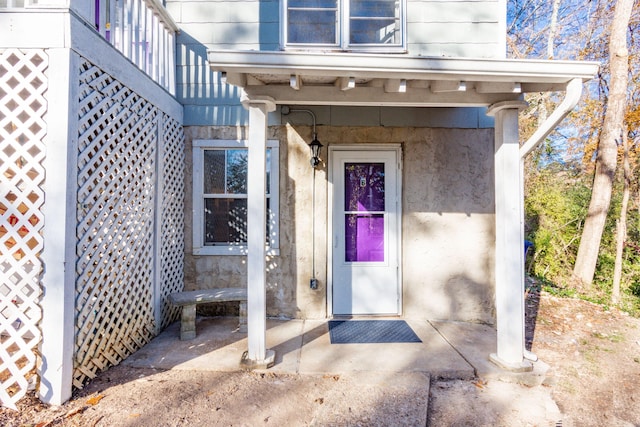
<point>188,300</point>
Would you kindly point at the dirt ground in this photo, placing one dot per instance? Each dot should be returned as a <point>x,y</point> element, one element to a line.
<point>594,376</point>
<point>594,380</point>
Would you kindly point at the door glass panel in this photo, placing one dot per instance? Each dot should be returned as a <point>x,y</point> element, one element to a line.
<point>364,237</point>
<point>364,206</point>
<point>364,187</point>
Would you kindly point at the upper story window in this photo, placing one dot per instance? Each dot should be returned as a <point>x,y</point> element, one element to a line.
<point>376,25</point>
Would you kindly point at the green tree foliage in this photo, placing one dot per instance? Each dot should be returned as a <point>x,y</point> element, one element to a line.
<point>555,207</point>
<point>559,174</point>
<point>556,201</point>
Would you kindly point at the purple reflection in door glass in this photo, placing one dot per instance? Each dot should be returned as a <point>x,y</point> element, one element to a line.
<point>364,237</point>
<point>364,187</point>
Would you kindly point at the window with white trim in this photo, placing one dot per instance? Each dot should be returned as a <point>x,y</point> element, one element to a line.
<point>377,25</point>
<point>220,197</point>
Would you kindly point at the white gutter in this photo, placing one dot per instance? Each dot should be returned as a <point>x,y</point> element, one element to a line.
<point>572,96</point>
<point>524,71</point>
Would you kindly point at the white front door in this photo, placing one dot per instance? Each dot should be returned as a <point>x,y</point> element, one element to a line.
<point>365,227</point>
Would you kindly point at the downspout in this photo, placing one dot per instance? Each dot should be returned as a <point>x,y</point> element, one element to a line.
<point>572,96</point>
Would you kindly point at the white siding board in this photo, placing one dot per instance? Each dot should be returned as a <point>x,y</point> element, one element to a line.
<point>195,54</point>
<point>454,1</point>
<point>209,94</point>
<point>452,32</point>
<point>460,50</point>
<point>18,30</point>
<point>457,11</point>
<point>217,12</point>
<point>175,10</point>
<point>223,32</point>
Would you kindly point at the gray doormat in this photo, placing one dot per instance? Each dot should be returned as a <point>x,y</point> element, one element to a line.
<point>371,331</point>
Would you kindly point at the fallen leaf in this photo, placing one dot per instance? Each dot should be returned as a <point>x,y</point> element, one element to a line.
<point>93,400</point>
<point>75,412</point>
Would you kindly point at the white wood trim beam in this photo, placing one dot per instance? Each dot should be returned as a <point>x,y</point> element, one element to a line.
<point>509,249</point>
<point>395,85</point>
<point>295,81</point>
<point>235,79</point>
<point>252,81</point>
<point>375,96</point>
<point>441,86</point>
<point>59,251</point>
<point>495,87</point>
<point>157,238</point>
<point>346,83</point>
<point>543,87</point>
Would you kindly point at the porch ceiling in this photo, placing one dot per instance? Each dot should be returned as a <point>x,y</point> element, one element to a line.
<point>329,78</point>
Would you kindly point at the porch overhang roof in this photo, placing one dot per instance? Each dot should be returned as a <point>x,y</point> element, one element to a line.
<point>329,78</point>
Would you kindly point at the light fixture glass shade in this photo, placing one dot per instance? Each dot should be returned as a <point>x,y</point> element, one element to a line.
<point>315,147</point>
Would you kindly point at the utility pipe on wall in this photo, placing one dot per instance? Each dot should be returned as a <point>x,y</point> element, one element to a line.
<point>313,282</point>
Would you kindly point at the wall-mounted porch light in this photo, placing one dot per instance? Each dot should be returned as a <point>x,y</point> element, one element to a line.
<point>314,145</point>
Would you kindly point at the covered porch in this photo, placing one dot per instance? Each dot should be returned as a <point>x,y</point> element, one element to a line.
<point>268,79</point>
<point>448,350</point>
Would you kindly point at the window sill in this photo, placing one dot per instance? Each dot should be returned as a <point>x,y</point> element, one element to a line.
<point>312,48</point>
<point>230,250</point>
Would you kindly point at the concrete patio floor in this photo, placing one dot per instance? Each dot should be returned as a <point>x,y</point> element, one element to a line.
<point>449,350</point>
<point>382,384</point>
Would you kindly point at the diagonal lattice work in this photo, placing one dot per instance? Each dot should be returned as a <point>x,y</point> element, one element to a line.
<point>120,134</point>
<point>23,84</point>
<point>172,220</point>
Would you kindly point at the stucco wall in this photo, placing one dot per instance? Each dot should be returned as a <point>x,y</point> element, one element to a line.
<point>448,221</point>
<point>448,224</point>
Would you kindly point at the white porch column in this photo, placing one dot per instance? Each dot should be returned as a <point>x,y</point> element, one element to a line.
<point>58,253</point>
<point>509,253</point>
<point>257,355</point>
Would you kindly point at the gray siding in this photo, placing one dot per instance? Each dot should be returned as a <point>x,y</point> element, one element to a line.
<point>456,28</point>
<point>445,28</point>
<point>210,24</point>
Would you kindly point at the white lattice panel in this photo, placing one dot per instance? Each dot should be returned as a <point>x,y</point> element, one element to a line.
<point>172,227</point>
<point>22,107</point>
<point>116,190</point>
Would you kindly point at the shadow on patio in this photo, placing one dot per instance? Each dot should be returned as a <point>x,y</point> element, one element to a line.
<point>449,350</point>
